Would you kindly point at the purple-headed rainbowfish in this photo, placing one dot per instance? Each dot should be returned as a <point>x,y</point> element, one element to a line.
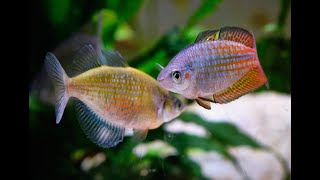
<point>111,97</point>
<point>220,66</point>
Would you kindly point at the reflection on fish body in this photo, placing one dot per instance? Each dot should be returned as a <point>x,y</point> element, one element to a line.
<point>112,97</point>
<point>221,66</point>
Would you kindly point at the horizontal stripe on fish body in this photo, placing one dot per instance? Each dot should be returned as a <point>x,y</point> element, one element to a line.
<point>208,54</point>
<point>218,64</point>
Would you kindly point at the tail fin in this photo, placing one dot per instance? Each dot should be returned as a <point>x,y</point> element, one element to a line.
<point>58,78</point>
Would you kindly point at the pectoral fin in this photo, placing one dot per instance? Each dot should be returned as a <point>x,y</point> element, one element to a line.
<point>140,134</point>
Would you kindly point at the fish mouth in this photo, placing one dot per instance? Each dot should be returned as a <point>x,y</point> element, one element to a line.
<point>160,77</point>
<point>160,80</point>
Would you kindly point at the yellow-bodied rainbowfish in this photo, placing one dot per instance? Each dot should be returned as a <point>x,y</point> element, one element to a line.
<point>111,97</point>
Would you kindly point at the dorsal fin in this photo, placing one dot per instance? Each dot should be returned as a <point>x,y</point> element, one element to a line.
<point>85,59</point>
<point>208,35</point>
<point>114,58</point>
<point>236,34</point>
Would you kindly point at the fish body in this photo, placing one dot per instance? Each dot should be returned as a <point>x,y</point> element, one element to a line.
<point>110,99</point>
<point>125,96</point>
<point>219,67</point>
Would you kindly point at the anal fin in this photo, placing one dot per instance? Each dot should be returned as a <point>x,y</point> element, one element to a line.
<point>204,103</point>
<point>97,129</point>
<point>252,80</point>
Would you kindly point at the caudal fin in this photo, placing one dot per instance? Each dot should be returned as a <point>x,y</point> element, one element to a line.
<point>58,78</point>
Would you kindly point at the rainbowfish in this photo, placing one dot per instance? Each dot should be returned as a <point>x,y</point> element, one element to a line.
<point>110,98</point>
<point>220,66</point>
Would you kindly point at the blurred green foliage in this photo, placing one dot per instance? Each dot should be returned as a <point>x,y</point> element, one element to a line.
<point>275,55</point>
<point>57,151</point>
<point>206,8</point>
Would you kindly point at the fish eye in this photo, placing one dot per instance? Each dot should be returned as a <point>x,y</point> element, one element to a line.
<point>176,76</point>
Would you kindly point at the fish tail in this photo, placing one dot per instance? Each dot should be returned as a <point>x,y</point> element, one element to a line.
<point>59,80</point>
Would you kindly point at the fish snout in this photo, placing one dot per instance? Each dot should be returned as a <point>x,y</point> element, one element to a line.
<point>160,77</point>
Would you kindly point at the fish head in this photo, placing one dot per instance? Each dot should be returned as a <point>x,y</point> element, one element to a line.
<point>176,77</point>
<point>172,108</point>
